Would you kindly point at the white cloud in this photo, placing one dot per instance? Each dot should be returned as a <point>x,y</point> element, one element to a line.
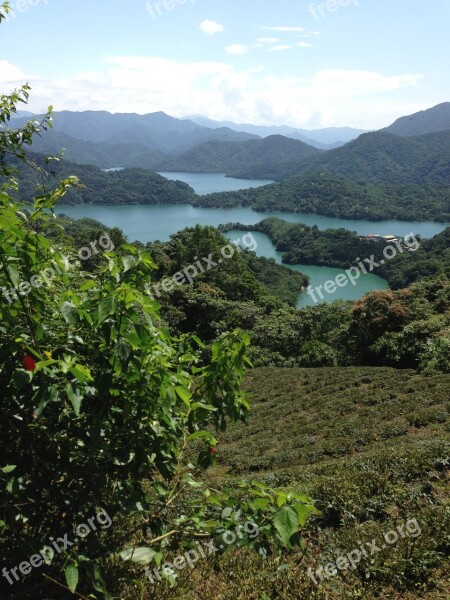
<point>211,27</point>
<point>283,29</point>
<point>9,72</point>
<point>221,91</point>
<point>237,49</point>
<point>280,48</point>
<point>304,44</point>
<point>267,40</point>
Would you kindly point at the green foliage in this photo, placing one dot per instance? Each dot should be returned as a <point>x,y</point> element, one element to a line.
<point>379,157</point>
<point>333,195</point>
<point>432,258</point>
<point>403,329</point>
<point>130,186</point>
<point>102,408</point>
<point>219,157</point>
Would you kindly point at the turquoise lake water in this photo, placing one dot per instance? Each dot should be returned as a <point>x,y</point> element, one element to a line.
<point>148,223</point>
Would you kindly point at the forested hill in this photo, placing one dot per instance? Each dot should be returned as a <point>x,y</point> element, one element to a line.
<point>322,194</point>
<point>334,196</point>
<point>100,154</point>
<point>379,157</point>
<point>340,247</point>
<point>426,121</point>
<point>218,157</point>
<point>130,186</point>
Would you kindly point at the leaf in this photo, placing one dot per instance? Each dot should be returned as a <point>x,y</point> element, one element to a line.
<point>9,468</point>
<point>106,307</point>
<point>184,394</point>
<point>203,435</point>
<point>72,577</point>
<point>75,398</point>
<point>81,372</point>
<point>303,511</point>
<point>128,263</point>
<point>140,555</point>
<point>286,523</point>
<point>14,274</point>
<point>69,313</point>
<point>21,378</point>
<point>98,582</point>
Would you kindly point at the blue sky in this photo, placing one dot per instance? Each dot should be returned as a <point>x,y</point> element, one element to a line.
<point>360,63</point>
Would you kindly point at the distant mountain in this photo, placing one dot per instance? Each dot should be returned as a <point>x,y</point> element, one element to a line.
<point>324,139</point>
<point>102,154</point>
<point>213,157</point>
<point>20,114</point>
<point>433,120</point>
<point>154,131</point>
<point>378,157</point>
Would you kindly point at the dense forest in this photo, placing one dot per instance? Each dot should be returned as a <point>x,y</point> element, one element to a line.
<point>333,196</point>
<point>378,157</point>
<point>219,157</point>
<point>130,186</point>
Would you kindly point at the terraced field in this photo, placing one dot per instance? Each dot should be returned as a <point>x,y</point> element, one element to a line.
<point>372,446</point>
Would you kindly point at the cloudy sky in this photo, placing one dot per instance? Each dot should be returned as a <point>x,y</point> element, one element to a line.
<point>360,63</point>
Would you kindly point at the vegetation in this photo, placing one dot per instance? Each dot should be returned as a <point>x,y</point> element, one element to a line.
<point>105,412</point>
<point>432,258</point>
<point>323,193</point>
<point>378,157</point>
<point>334,196</point>
<point>130,186</point>
<point>372,446</point>
<point>406,329</point>
<point>220,157</point>
<point>119,389</point>
<point>415,259</point>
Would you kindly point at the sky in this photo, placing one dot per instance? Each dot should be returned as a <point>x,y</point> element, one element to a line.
<point>356,63</point>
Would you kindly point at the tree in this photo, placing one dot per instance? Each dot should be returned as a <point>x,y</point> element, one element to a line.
<point>104,412</point>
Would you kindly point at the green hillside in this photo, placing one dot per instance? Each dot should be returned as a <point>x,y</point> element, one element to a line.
<point>219,157</point>
<point>130,186</point>
<point>334,196</point>
<point>101,154</point>
<point>372,446</point>
<point>301,244</point>
<point>432,120</point>
<point>379,157</point>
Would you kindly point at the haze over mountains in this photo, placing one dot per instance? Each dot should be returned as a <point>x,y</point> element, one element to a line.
<point>432,120</point>
<point>215,157</point>
<point>325,139</point>
<point>413,150</point>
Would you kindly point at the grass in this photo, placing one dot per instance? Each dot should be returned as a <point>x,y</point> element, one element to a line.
<point>372,446</point>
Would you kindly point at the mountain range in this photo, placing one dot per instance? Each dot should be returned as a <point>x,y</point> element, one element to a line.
<point>377,157</point>
<point>214,157</point>
<point>324,139</point>
<point>413,150</point>
<point>433,120</point>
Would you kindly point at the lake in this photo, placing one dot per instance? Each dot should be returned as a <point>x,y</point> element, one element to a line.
<point>318,275</point>
<point>157,222</point>
<point>208,183</point>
